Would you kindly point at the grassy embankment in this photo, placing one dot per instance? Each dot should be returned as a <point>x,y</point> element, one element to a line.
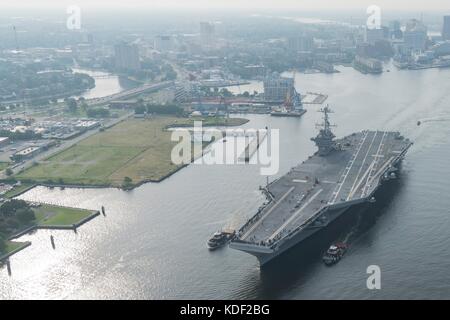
<point>50,215</point>
<point>4,165</point>
<point>136,149</point>
<point>47,216</point>
<point>18,190</point>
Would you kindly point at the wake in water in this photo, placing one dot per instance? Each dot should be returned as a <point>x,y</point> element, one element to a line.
<point>434,119</point>
<point>352,235</point>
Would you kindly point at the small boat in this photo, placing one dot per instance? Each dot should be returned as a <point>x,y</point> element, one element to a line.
<point>334,253</point>
<point>219,239</point>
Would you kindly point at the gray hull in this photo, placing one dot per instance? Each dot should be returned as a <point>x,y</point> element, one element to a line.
<point>265,257</point>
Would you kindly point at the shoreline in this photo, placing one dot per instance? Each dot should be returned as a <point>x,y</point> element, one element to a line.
<point>30,229</point>
<point>138,184</point>
<point>7,255</point>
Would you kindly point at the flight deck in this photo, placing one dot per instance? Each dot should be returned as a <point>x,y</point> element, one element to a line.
<point>348,174</point>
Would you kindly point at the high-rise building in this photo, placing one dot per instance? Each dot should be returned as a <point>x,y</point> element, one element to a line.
<point>163,43</point>
<point>126,57</point>
<point>373,35</point>
<point>276,88</point>
<point>300,43</point>
<point>446,28</point>
<point>207,33</point>
<point>395,31</point>
<point>415,36</point>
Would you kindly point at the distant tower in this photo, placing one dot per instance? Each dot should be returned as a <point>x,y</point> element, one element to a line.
<point>207,33</point>
<point>126,57</point>
<point>324,140</point>
<point>15,38</point>
<point>446,28</point>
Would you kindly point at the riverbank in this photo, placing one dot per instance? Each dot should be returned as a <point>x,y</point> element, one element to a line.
<point>47,217</point>
<point>18,190</point>
<point>13,247</point>
<point>126,155</point>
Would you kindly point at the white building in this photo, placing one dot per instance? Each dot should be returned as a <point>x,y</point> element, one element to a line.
<point>276,88</point>
<point>163,43</point>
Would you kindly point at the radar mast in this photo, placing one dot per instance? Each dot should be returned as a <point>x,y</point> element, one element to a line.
<point>324,140</point>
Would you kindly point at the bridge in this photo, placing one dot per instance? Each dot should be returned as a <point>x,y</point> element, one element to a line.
<point>130,93</point>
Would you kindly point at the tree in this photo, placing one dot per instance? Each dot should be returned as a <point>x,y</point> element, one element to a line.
<point>25,215</point>
<point>10,207</point>
<point>9,172</point>
<point>98,113</point>
<point>225,92</point>
<point>84,106</point>
<point>127,182</point>
<point>72,105</point>
<point>2,242</point>
<point>140,109</point>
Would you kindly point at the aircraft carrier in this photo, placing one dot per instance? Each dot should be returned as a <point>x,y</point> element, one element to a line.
<point>342,173</point>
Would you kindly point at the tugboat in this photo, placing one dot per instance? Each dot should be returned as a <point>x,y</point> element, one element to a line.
<point>334,253</point>
<point>219,239</point>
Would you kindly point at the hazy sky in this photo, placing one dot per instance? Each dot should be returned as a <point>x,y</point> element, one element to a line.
<point>401,5</point>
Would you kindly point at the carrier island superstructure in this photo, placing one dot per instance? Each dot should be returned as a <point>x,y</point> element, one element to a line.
<point>342,173</point>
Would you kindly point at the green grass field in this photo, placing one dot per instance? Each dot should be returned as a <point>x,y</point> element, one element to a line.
<point>139,149</point>
<point>11,246</point>
<point>48,215</point>
<point>4,165</point>
<point>18,190</point>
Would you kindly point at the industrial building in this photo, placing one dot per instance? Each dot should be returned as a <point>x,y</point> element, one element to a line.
<point>276,88</point>
<point>26,153</point>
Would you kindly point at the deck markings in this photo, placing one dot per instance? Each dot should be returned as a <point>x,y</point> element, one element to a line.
<point>336,193</point>
<point>258,222</point>
<point>374,166</point>
<point>361,166</point>
<point>288,221</point>
<point>381,169</point>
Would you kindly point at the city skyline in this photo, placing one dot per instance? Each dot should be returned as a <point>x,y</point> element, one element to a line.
<point>341,5</point>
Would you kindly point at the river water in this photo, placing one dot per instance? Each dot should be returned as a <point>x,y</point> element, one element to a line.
<point>151,244</point>
<point>106,84</point>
